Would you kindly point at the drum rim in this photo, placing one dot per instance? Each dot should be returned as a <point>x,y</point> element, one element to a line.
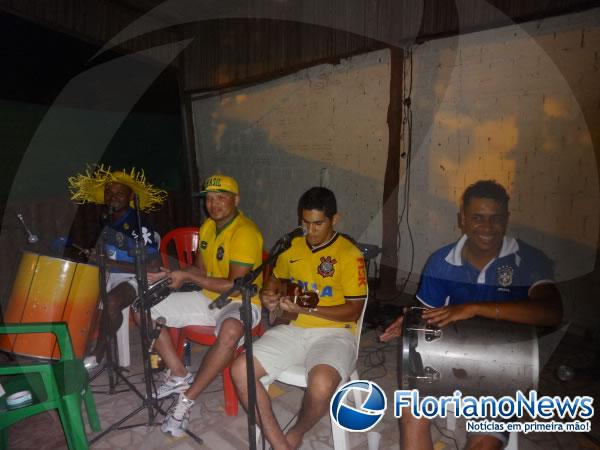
<point>39,255</point>
<point>528,334</point>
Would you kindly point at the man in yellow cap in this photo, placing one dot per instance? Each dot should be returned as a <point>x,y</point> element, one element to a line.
<point>116,191</point>
<point>230,245</point>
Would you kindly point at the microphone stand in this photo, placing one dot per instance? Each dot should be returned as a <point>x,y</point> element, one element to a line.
<point>111,367</point>
<point>248,290</point>
<point>141,276</point>
<point>149,401</point>
<point>104,324</point>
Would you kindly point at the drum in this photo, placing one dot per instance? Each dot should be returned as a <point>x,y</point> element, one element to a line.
<point>48,289</point>
<point>476,356</point>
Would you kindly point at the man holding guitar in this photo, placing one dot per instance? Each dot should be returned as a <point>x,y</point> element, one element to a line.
<point>322,337</point>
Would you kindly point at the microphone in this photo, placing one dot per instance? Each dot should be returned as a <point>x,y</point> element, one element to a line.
<point>296,232</point>
<point>110,209</point>
<point>31,238</point>
<point>160,323</point>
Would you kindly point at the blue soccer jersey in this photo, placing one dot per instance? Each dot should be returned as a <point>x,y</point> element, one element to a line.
<point>448,280</point>
<point>120,239</point>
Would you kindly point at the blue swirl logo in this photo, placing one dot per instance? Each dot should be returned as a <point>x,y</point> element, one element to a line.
<point>361,417</point>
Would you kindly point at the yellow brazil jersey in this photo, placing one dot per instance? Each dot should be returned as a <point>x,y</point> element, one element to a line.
<point>238,242</point>
<point>336,270</point>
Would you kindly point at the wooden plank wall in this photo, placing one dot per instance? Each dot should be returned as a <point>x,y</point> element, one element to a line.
<point>94,21</point>
<point>278,38</point>
<point>239,43</point>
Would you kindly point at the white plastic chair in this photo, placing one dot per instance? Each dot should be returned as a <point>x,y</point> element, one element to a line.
<point>296,376</point>
<point>122,333</point>
<point>123,340</point>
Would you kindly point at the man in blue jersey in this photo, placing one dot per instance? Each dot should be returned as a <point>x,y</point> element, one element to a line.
<point>486,274</point>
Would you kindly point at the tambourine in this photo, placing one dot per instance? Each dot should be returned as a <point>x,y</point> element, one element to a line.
<point>155,294</point>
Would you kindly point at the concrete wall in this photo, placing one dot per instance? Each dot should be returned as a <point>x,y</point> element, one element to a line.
<point>321,126</point>
<point>496,104</point>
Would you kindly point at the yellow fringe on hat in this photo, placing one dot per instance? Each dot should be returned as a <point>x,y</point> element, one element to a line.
<point>89,187</point>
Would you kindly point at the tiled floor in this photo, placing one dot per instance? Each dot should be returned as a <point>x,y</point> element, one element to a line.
<point>377,362</point>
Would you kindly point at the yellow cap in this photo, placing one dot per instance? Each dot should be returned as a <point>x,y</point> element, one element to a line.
<point>219,183</point>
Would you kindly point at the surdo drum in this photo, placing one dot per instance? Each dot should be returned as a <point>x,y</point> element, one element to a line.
<point>48,289</point>
<point>476,356</point>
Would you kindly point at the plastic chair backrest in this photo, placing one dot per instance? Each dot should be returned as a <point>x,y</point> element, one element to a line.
<point>185,240</point>
<point>62,385</point>
<point>59,329</point>
<point>359,323</point>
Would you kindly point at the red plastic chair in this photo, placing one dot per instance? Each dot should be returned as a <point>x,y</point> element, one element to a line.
<point>185,240</point>
<point>186,243</point>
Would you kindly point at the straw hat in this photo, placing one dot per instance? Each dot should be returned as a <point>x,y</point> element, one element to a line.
<point>89,187</point>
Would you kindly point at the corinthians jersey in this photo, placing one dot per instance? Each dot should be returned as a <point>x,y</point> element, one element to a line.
<point>336,270</point>
<point>238,242</point>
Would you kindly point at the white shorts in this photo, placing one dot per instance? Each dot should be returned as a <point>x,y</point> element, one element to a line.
<point>287,345</point>
<point>181,309</point>
<point>114,279</point>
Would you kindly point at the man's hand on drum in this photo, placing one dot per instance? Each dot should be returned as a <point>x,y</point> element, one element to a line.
<point>393,330</point>
<point>440,317</point>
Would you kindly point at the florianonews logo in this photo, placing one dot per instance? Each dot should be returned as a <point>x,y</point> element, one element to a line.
<point>360,417</point>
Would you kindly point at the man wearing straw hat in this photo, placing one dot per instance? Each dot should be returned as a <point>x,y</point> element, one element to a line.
<point>116,191</point>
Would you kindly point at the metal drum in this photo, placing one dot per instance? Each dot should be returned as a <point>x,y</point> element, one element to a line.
<point>48,289</point>
<point>476,356</point>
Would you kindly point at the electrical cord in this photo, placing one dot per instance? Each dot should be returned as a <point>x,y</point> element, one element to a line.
<point>406,130</point>
<point>371,359</point>
<point>407,178</point>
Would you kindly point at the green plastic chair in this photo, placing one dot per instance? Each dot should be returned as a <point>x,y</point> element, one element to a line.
<point>59,385</point>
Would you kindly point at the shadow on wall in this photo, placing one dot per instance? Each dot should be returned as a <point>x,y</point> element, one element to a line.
<point>272,180</point>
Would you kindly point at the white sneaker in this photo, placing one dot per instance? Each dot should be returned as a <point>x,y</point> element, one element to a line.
<point>90,362</point>
<point>92,366</point>
<point>178,417</point>
<point>174,385</point>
